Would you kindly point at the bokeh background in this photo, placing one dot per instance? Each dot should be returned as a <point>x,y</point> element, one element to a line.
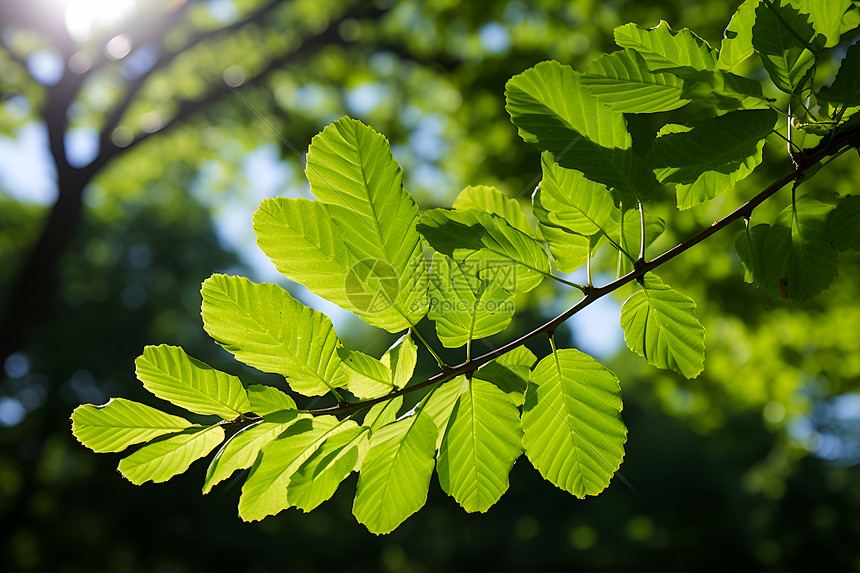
<point>136,140</point>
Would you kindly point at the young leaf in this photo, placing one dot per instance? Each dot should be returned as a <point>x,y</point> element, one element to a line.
<point>172,375</point>
<point>382,413</point>
<point>267,400</point>
<point>661,47</point>
<point>497,251</point>
<point>266,491</point>
<point>786,42</point>
<point>263,326</point>
<point>464,306</point>
<point>395,473</point>
<point>571,201</point>
<point>737,45</point>
<point>510,373</point>
<point>749,245</point>
<point>709,158</point>
<point>622,80</point>
<point>573,432</point>
<point>319,476</point>
<point>372,378</point>
<point>483,439</point>
<point>120,423</point>
<point>844,225</point>
<point>800,261</point>
<point>660,324</point>
<point>493,201</point>
<point>242,448</point>
<point>554,112</point>
<point>166,457</point>
<point>351,169</point>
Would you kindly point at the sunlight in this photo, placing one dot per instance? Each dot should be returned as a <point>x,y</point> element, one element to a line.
<point>84,17</point>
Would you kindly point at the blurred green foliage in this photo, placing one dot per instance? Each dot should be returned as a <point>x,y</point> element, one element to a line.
<point>751,466</point>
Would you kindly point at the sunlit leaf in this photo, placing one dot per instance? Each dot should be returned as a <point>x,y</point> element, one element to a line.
<point>464,306</point>
<point>265,327</point>
<point>120,423</point>
<point>493,201</point>
<point>555,112</point>
<point>482,441</point>
<point>266,490</point>
<point>623,81</point>
<point>571,201</point>
<point>510,373</point>
<point>737,45</point>
<point>166,457</point>
<point>268,400</point>
<point>573,432</point>
<point>242,448</point>
<point>382,413</point>
<point>172,375</point>
<point>489,245</point>
<point>660,324</point>
<point>351,169</point>
<point>661,47</point>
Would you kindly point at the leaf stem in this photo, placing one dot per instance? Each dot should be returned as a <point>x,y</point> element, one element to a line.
<point>442,365</point>
<point>641,233</point>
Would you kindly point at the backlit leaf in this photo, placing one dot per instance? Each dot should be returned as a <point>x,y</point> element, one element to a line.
<point>168,456</point>
<point>510,373</point>
<point>493,201</point>
<point>172,375</point>
<point>573,432</point>
<point>482,441</point>
<point>120,423</point>
<point>783,37</point>
<point>265,327</point>
<point>660,324</point>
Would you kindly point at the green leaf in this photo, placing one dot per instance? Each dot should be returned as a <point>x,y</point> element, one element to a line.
<point>737,45</point>
<point>661,47</point>
<point>120,423</point>
<point>622,80</point>
<point>464,306</point>
<point>382,413</point>
<point>495,250</point>
<point>266,400</point>
<point>266,491</point>
<point>439,403</point>
<point>569,250</point>
<point>554,112</point>
<point>172,375</point>
<point>571,201</point>
<point>493,201</point>
<point>573,432</point>
<point>845,89</point>
<point>782,36</point>
<point>401,359</point>
<point>319,476</point>
<point>168,456</point>
<point>844,224</point>
<point>395,473</point>
<point>800,261</point>
<point>302,241</point>
<point>242,448</point>
<point>510,373</point>
<point>709,158</point>
<point>351,169</point>
<point>827,17</point>
<point>483,439</point>
<point>750,248</point>
<point>372,378</point>
<point>660,324</point>
<point>626,232</point>
<point>264,327</point>
<point>722,89</point>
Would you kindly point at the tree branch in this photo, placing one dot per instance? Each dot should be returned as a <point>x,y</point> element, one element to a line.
<point>849,138</point>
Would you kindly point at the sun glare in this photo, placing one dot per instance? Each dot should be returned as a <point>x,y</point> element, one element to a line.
<point>85,17</point>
